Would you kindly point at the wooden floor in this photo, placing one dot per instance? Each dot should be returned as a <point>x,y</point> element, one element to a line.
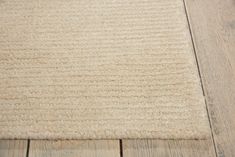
<point>212,26</point>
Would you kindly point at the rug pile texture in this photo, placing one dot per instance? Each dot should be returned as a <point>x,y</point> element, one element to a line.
<point>98,69</point>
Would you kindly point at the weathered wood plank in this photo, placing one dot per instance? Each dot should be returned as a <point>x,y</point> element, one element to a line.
<point>213,29</point>
<point>168,148</point>
<point>13,148</point>
<point>74,148</point>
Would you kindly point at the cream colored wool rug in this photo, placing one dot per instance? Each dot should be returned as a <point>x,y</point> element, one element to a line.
<point>91,69</point>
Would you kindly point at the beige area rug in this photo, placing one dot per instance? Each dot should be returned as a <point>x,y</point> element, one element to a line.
<point>98,69</point>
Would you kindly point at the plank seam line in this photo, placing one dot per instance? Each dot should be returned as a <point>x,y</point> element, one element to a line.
<point>199,73</point>
<point>121,148</point>
<point>28,147</point>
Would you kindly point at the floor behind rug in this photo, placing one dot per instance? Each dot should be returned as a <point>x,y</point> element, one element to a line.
<point>98,69</point>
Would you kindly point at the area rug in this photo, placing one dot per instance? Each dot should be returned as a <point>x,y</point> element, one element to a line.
<point>98,69</point>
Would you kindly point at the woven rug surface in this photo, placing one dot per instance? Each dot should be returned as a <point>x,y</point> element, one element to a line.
<point>98,69</point>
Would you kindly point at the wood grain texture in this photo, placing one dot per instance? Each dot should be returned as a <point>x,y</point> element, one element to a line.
<point>213,30</point>
<point>168,148</point>
<point>13,148</point>
<point>70,148</point>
